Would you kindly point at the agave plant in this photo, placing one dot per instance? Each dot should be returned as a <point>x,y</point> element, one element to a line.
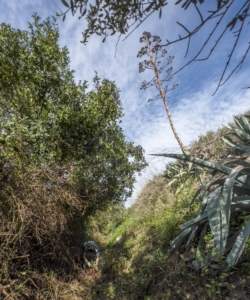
<point>225,203</point>
<point>178,172</point>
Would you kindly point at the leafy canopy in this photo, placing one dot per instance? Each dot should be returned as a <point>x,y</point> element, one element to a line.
<point>48,119</point>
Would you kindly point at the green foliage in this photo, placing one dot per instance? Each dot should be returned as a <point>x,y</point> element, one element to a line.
<point>178,172</point>
<point>137,264</point>
<point>63,157</point>
<point>104,222</point>
<point>225,203</point>
<point>48,119</point>
<point>208,146</point>
<point>239,136</point>
<point>105,18</point>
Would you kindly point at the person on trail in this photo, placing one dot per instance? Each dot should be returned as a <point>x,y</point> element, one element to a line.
<point>91,253</point>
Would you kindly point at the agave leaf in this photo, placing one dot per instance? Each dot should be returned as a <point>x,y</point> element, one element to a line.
<point>181,237</point>
<point>242,180</point>
<point>243,206</point>
<point>200,258</point>
<point>241,203</point>
<point>239,245</point>
<point>219,210</point>
<point>197,161</point>
<point>246,122</point>
<point>192,235</point>
<point>238,122</point>
<point>242,134</point>
<point>228,141</point>
<point>241,147</point>
<point>217,180</point>
<point>65,3</point>
<point>198,219</point>
<point>241,198</point>
<point>214,217</point>
<point>243,123</point>
<point>228,189</point>
<point>226,200</point>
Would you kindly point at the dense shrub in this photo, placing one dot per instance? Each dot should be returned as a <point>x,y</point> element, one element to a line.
<point>46,118</point>
<point>63,155</point>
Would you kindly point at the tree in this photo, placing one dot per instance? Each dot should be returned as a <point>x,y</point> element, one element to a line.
<point>217,18</point>
<point>48,119</point>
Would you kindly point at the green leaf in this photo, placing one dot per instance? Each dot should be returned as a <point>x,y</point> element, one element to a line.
<point>192,235</point>
<point>181,237</point>
<point>214,216</point>
<point>197,161</point>
<point>198,219</point>
<point>243,123</point>
<point>239,245</point>
<point>242,134</point>
<point>219,210</point>
<point>200,258</point>
<point>241,147</point>
<point>65,3</point>
<point>241,205</point>
<point>240,123</point>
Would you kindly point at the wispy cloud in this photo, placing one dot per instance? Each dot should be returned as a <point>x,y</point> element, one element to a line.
<point>194,115</point>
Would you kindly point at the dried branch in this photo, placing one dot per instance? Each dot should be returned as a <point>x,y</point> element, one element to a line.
<point>153,51</point>
<point>211,34</point>
<point>234,47</point>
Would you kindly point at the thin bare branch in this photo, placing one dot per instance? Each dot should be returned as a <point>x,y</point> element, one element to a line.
<point>199,12</point>
<point>235,44</point>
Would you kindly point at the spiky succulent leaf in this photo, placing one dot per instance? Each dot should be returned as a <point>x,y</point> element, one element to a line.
<point>241,147</point>
<point>243,123</point>
<point>224,213</point>
<point>241,134</point>
<point>215,218</point>
<point>197,220</point>
<point>200,162</point>
<point>241,205</point>
<point>178,241</point>
<point>239,245</point>
<point>227,195</point>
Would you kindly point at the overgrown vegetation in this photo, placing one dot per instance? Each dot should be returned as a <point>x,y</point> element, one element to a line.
<point>66,169</point>
<point>225,203</point>
<point>63,156</point>
<point>137,261</point>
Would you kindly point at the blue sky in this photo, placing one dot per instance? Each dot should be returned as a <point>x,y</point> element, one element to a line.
<point>194,108</point>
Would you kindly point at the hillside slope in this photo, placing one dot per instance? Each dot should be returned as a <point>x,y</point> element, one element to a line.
<point>136,262</point>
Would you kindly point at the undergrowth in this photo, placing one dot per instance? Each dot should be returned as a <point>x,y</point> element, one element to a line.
<point>137,263</point>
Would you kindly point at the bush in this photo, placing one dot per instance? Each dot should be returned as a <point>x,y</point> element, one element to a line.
<point>63,156</point>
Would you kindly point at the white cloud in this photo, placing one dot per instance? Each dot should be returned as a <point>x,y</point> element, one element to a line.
<point>194,115</point>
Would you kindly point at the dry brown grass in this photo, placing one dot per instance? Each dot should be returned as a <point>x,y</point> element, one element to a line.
<point>40,233</point>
